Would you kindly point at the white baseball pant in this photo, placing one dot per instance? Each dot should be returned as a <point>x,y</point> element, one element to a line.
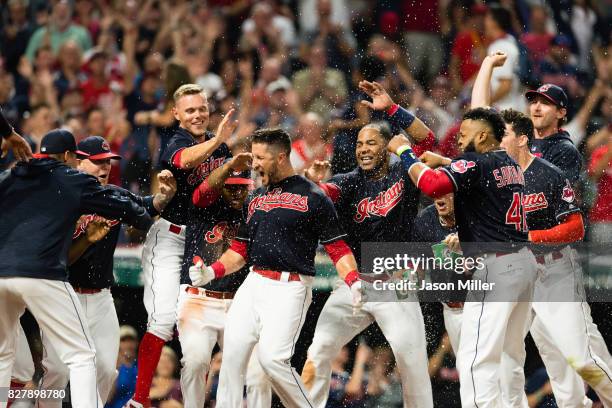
<point>400,321</point>
<point>572,348</point>
<point>23,369</point>
<point>452,324</point>
<point>493,323</point>
<point>268,313</point>
<point>101,318</point>
<point>58,312</point>
<point>201,324</point>
<point>162,257</point>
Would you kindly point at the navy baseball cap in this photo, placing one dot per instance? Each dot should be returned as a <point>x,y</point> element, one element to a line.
<point>561,41</point>
<point>553,93</point>
<point>97,148</point>
<point>240,177</point>
<point>58,141</point>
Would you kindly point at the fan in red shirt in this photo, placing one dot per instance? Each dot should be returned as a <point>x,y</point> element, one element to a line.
<point>600,171</point>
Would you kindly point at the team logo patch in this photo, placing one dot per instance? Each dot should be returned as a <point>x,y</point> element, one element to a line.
<point>216,234</point>
<point>105,146</point>
<point>544,88</point>
<point>277,199</point>
<point>568,193</point>
<point>380,205</point>
<point>461,166</point>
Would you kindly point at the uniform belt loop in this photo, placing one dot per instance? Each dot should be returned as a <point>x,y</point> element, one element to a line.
<point>284,277</point>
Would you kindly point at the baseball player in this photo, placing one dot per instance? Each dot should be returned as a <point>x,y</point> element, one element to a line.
<point>285,220</point>
<point>13,141</point>
<point>191,155</point>
<point>488,188</point>
<point>202,311</point>
<point>548,110</point>
<point>91,274</point>
<point>376,202</point>
<point>43,199</point>
<point>554,220</point>
<point>436,223</point>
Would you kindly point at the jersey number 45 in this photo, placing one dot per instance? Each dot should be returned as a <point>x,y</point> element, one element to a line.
<point>516,213</point>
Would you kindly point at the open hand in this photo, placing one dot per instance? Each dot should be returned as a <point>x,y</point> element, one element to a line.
<point>227,126</point>
<point>380,98</point>
<point>317,170</point>
<point>18,145</point>
<point>241,162</point>
<point>97,229</point>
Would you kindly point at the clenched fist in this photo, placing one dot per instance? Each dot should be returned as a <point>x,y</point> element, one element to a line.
<point>199,273</point>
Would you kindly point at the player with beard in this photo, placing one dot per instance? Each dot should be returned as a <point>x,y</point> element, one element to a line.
<point>488,187</point>
<point>563,331</point>
<point>376,202</point>
<point>202,311</point>
<point>548,111</point>
<point>285,219</point>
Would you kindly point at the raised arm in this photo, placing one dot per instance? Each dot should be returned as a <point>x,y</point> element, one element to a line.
<point>208,191</point>
<point>481,92</point>
<point>193,156</point>
<point>396,114</point>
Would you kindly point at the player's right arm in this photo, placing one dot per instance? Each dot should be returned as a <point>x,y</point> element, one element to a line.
<point>208,191</point>
<point>191,157</point>
<point>232,260</point>
<point>105,201</point>
<point>433,183</point>
<point>481,92</point>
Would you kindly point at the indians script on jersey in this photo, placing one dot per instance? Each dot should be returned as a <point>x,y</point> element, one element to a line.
<point>381,204</point>
<point>534,202</point>
<point>204,169</point>
<point>221,230</point>
<point>277,199</point>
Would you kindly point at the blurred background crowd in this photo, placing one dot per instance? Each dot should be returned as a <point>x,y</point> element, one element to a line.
<point>109,68</point>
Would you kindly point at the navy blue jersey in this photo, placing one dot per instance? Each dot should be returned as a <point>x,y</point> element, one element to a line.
<point>209,233</point>
<point>549,196</point>
<point>379,210</point>
<point>284,222</point>
<point>427,226</point>
<point>559,150</point>
<point>41,203</point>
<point>94,269</point>
<point>489,190</point>
<point>187,180</point>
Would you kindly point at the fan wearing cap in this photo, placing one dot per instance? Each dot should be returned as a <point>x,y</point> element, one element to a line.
<point>201,311</point>
<point>91,269</point>
<point>42,200</point>
<point>548,110</point>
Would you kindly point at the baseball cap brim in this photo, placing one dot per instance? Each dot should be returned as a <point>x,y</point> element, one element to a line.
<point>239,180</point>
<point>532,94</point>
<point>45,155</point>
<point>101,156</point>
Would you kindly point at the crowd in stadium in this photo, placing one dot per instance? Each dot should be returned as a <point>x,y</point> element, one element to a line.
<point>110,68</point>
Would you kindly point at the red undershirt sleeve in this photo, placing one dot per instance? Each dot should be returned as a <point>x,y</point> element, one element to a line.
<point>570,230</point>
<point>337,250</point>
<point>203,195</point>
<point>176,159</point>
<point>331,190</point>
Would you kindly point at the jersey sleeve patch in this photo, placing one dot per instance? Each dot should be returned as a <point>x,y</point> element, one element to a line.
<point>567,194</point>
<point>461,166</point>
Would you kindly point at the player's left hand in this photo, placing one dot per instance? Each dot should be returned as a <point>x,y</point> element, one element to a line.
<point>396,142</point>
<point>199,273</point>
<point>167,184</point>
<point>380,98</point>
<point>359,296</point>
<point>18,145</point>
<point>433,160</point>
<point>97,229</point>
<point>452,242</point>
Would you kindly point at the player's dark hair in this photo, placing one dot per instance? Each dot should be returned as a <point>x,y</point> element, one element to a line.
<point>521,123</point>
<point>502,17</point>
<point>274,137</point>
<point>382,128</point>
<point>489,116</point>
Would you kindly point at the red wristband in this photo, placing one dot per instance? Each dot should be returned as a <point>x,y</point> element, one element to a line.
<point>351,277</point>
<point>391,111</point>
<point>219,269</point>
